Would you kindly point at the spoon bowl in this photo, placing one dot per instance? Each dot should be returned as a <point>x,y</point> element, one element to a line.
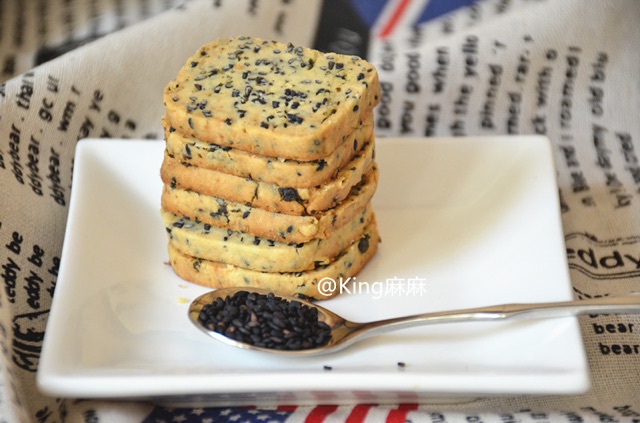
<point>341,329</point>
<point>344,332</point>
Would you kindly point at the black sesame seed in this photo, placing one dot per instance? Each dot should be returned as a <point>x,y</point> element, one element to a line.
<point>321,165</point>
<point>293,118</point>
<point>325,367</point>
<point>363,244</point>
<point>360,76</point>
<point>319,264</point>
<point>246,214</point>
<point>228,121</point>
<point>356,108</point>
<point>401,364</point>
<point>222,212</point>
<point>264,125</point>
<point>331,64</point>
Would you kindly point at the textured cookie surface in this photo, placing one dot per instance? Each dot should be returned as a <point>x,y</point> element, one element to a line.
<point>298,201</point>
<point>219,275</point>
<point>208,242</point>
<point>265,224</point>
<point>270,98</point>
<point>277,171</point>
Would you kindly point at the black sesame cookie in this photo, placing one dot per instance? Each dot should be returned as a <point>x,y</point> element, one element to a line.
<point>208,242</point>
<point>270,98</point>
<point>272,170</point>
<point>265,224</point>
<point>298,201</point>
<point>220,275</point>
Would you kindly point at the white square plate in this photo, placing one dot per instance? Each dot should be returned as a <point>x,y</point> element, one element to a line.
<point>465,222</point>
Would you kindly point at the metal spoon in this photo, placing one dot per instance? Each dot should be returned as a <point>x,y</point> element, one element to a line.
<point>345,332</point>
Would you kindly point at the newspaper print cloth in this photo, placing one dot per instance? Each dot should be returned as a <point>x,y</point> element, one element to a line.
<point>568,70</point>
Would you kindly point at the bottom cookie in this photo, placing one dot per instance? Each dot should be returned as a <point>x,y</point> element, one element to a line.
<point>219,275</point>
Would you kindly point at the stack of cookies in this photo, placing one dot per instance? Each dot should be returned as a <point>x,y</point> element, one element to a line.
<point>269,166</point>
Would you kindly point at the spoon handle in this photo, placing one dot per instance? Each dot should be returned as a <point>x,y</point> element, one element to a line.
<point>607,305</point>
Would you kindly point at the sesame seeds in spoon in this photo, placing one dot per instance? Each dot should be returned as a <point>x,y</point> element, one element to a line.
<point>257,319</point>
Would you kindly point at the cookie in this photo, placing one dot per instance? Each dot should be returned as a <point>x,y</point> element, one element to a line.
<point>220,275</point>
<point>298,201</point>
<point>265,224</point>
<point>270,98</point>
<point>277,171</point>
<point>208,242</point>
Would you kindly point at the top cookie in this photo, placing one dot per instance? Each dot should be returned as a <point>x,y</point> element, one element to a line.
<point>271,98</point>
